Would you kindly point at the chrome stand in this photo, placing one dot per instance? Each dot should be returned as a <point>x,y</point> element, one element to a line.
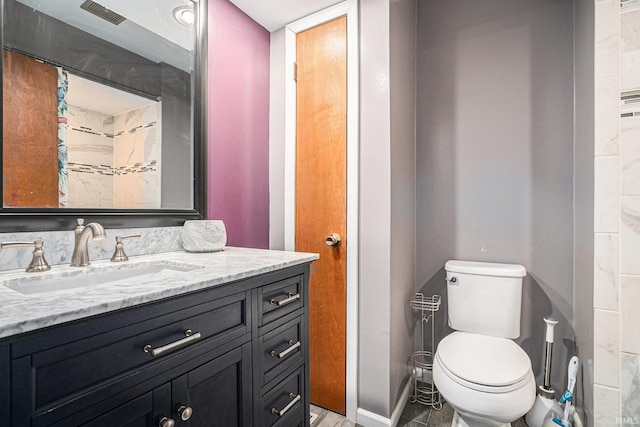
<point>424,391</point>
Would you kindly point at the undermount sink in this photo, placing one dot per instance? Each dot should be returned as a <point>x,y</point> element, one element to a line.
<point>95,276</point>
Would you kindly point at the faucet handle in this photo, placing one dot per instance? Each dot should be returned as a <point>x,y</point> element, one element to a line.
<point>38,263</point>
<point>119,254</point>
<point>79,228</point>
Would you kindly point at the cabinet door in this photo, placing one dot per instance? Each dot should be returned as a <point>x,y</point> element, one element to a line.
<point>135,413</point>
<point>143,411</point>
<point>219,393</point>
<point>5,385</point>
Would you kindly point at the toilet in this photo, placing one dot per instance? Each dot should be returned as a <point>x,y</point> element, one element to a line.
<point>484,375</point>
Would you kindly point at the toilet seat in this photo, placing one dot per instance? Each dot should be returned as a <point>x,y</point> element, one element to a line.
<point>483,363</point>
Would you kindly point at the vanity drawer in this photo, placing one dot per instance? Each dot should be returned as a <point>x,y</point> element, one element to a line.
<point>280,298</point>
<point>281,349</point>
<point>62,372</point>
<point>284,404</point>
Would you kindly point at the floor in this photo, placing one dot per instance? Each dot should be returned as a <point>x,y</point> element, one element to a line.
<point>328,419</point>
<point>414,415</point>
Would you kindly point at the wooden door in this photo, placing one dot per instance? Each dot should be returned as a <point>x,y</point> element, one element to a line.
<point>29,132</point>
<point>321,148</point>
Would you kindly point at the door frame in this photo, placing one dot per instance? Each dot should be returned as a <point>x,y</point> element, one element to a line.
<point>349,9</point>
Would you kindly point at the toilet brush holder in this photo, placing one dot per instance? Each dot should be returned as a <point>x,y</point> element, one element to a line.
<point>554,423</point>
<point>544,409</point>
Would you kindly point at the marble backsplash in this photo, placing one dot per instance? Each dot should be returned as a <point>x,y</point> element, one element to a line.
<point>58,245</point>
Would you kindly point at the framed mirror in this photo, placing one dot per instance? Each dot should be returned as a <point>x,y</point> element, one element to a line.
<point>104,113</point>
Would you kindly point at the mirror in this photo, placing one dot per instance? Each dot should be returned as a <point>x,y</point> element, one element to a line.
<point>103,112</point>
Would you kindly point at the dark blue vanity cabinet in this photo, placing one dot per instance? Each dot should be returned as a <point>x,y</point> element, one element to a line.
<point>230,355</point>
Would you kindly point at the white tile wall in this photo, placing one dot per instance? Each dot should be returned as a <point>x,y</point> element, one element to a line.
<point>140,147</point>
<point>630,304</point>
<point>607,39</point>
<point>630,156</point>
<point>137,143</point>
<point>606,271</point>
<point>607,114</point>
<point>606,406</point>
<point>607,196</point>
<point>630,235</point>
<point>616,214</point>
<point>630,49</point>
<point>630,385</point>
<point>89,190</point>
<point>606,354</point>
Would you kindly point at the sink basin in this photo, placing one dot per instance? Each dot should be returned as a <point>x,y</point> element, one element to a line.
<point>95,276</point>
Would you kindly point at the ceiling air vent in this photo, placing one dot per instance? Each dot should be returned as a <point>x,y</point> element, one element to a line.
<point>102,12</point>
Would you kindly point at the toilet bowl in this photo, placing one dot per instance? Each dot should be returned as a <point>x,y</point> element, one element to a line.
<point>487,380</point>
<point>484,375</point>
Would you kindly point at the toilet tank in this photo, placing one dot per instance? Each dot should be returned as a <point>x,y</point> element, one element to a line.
<point>485,298</point>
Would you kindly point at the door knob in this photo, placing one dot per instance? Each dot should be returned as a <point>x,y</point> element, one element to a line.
<point>333,240</point>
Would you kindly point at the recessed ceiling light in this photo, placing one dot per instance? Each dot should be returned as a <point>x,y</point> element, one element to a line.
<point>184,15</point>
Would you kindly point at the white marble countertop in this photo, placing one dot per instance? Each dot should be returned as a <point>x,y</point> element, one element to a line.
<point>22,313</point>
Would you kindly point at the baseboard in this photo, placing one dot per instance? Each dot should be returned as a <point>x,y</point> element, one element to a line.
<point>370,419</point>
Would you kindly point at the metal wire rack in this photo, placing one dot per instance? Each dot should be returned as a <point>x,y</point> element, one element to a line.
<point>424,391</point>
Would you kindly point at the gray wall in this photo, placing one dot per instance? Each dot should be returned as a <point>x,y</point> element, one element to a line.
<point>495,153</point>
<point>277,120</point>
<point>583,202</point>
<point>402,29</point>
<point>387,200</point>
<point>375,209</point>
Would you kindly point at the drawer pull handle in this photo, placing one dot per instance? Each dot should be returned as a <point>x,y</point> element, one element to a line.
<point>190,338</point>
<point>287,351</point>
<point>285,301</point>
<point>166,422</point>
<point>185,412</point>
<point>296,398</point>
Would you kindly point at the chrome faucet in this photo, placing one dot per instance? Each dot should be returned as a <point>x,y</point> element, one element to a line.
<point>80,257</point>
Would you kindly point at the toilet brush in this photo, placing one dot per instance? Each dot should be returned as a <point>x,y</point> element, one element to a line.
<point>545,406</point>
<point>567,397</point>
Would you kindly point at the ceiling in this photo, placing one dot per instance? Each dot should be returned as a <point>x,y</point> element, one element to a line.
<point>149,30</point>
<point>275,14</point>
<point>98,97</point>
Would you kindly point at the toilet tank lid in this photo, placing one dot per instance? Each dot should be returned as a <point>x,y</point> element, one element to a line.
<point>485,268</point>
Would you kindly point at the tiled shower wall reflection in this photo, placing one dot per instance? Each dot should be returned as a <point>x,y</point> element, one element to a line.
<point>617,213</point>
<point>90,154</point>
<point>114,161</point>
<point>136,154</point>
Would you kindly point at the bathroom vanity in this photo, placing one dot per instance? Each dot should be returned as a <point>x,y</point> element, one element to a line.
<point>217,339</point>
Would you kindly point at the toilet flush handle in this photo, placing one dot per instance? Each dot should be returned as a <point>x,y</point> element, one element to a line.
<point>453,281</point>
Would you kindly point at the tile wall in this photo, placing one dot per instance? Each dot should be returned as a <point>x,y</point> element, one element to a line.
<point>617,213</point>
<point>114,161</point>
<point>137,154</point>
<point>90,155</point>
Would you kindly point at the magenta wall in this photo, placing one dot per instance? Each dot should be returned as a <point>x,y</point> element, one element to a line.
<point>238,121</point>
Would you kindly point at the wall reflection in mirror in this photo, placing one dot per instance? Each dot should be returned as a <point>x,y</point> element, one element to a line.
<point>97,104</point>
